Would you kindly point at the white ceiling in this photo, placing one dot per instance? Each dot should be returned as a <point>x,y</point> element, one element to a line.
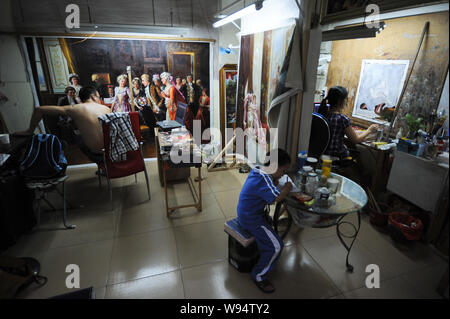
<point>50,15</point>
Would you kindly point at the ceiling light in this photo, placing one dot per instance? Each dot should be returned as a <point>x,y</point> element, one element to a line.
<point>239,14</point>
<point>136,29</point>
<point>355,32</point>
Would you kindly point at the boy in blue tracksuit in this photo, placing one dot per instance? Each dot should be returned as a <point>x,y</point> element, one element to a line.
<point>260,189</point>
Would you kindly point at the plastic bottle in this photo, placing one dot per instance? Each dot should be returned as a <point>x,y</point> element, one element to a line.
<point>301,159</point>
<point>326,167</point>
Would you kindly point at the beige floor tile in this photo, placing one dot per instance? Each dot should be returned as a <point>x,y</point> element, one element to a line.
<point>297,275</point>
<point>330,254</point>
<point>186,216</point>
<point>91,226</point>
<point>228,201</point>
<point>298,235</point>
<point>99,293</point>
<point>223,181</point>
<point>201,243</point>
<point>143,255</point>
<point>219,280</point>
<point>340,296</point>
<point>142,218</point>
<point>241,176</point>
<point>396,288</point>
<point>401,258</point>
<point>426,280</point>
<point>92,259</point>
<point>164,286</point>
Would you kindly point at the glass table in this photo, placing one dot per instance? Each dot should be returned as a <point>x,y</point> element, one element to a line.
<point>350,198</point>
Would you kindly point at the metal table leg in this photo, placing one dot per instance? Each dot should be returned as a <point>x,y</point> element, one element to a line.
<point>65,208</point>
<point>353,237</point>
<point>276,218</point>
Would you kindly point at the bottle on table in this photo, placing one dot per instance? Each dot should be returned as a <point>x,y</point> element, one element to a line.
<point>303,177</point>
<point>301,160</point>
<point>326,167</point>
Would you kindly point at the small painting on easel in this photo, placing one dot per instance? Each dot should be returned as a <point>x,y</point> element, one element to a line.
<point>380,85</point>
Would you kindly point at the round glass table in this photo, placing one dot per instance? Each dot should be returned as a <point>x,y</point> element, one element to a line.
<point>350,198</point>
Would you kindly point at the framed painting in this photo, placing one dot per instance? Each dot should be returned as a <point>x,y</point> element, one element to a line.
<point>152,52</point>
<point>380,85</point>
<point>181,63</point>
<point>228,106</point>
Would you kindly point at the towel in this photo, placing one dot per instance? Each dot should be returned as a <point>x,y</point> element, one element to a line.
<point>122,138</point>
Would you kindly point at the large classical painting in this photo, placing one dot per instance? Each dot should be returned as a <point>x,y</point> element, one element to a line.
<point>380,86</point>
<point>262,58</point>
<point>99,61</point>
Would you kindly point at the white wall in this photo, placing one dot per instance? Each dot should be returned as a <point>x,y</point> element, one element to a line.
<point>14,81</point>
<point>15,84</point>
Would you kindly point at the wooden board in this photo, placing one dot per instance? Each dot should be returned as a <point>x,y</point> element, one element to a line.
<point>398,41</point>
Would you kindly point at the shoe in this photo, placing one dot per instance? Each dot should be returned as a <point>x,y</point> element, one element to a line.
<point>265,286</point>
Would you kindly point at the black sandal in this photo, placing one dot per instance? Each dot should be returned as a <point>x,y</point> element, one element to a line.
<point>265,286</point>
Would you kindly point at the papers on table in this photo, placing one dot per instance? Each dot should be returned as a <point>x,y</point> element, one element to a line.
<point>284,179</point>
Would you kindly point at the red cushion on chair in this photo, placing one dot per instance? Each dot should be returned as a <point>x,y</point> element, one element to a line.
<point>134,163</point>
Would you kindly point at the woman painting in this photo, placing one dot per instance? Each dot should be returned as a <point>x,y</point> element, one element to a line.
<point>203,112</point>
<point>340,124</point>
<point>121,101</point>
<point>178,83</point>
<point>171,95</point>
<point>74,81</point>
<point>252,119</point>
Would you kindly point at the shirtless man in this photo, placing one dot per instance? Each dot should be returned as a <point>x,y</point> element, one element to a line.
<point>85,116</point>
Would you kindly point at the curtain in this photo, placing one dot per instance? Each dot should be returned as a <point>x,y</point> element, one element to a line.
<point>66,52</point>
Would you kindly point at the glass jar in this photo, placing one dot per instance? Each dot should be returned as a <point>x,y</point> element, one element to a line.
<point>312,183</point>
<point>321,197</point>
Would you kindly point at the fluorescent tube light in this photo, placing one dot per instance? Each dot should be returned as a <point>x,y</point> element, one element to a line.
<point>133,29</point>
<point>237,15</point>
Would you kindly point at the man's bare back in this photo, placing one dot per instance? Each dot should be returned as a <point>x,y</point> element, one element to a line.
<point>86,116</point>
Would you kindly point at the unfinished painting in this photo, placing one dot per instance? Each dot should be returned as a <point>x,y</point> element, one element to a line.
<point>260,73</point>
<point>380,86</point>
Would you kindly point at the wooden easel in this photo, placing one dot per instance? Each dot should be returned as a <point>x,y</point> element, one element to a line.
<point>220,156</point>
<point>425,30</point>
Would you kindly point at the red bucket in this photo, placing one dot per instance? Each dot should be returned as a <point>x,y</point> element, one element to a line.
<point>404,227</point>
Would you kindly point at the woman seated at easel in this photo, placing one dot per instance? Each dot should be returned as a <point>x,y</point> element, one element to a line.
<point>340,124</point>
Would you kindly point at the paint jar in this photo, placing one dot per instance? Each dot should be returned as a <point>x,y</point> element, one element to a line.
<point>311,161</point>
<point>312,183</point>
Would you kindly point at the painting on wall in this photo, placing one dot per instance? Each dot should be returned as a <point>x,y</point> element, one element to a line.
<point>99,61</point>
<point>260,77</point>
<point>380,86</point>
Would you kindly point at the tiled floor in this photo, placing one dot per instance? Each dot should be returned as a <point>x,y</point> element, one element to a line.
<point>135,251</point>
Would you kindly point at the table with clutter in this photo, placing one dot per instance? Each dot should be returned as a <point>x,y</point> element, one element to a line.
<point>321,203</point>
<point>176,154</point>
